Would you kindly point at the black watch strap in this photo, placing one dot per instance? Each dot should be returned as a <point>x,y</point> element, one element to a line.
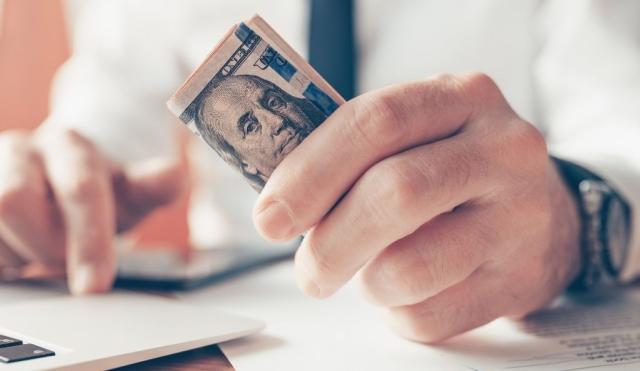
<point>593,241</point>
<point>573,174</point>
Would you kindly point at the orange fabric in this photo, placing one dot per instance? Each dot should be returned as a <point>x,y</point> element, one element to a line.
<point>33,44</point>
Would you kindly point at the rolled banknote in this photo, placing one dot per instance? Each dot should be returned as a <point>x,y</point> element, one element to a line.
<point>253,100</point>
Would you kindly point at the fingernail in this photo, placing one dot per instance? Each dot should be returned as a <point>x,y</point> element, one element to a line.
<point>307,285</point>
<point>274,221</point>
<point>303,278</point>
<point>82,280</point>
<point>88,279</point>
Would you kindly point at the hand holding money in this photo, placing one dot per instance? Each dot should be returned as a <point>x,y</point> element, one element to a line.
<point>435,191</point>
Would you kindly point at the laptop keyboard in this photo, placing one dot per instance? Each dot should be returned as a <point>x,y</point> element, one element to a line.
<point>13,350</point>
<point>6,341</point>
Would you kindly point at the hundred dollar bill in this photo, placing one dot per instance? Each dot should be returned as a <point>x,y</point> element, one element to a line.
<point>253,100</point>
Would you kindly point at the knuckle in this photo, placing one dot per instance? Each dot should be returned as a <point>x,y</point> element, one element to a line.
<point>522,141</point>
<point>528,144</point>
<point>428,278</point>
<point>440,86</point>
<point>391,283</point>
<point>377,121</point>
<point>395,184</point>
<point>402,184</point>
<point>444,93</point>
<point>78,178</point>
<point>480,88</point>
<point>446,79</point>
<point>480,81</point>
<point>533,140</point>
<point>413,288</point>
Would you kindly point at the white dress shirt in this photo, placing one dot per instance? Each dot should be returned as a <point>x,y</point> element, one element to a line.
<point>571,67</point>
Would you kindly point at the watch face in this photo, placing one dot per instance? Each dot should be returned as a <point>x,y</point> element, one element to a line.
<point>617,234</point>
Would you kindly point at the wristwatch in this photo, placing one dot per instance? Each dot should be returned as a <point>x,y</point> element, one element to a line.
<point>605,226</point>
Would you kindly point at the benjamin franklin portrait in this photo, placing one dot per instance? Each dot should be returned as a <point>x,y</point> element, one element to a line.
<point>253,124</point>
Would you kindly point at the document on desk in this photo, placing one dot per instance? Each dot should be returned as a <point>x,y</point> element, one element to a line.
<point>591,331</point>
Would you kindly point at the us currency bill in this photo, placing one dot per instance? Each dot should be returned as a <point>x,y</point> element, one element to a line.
<point>253,100</point>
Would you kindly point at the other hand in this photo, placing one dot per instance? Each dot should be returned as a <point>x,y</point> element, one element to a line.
<point>62,202</point>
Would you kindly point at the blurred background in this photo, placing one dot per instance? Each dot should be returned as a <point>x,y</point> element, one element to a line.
<point>33,44</point>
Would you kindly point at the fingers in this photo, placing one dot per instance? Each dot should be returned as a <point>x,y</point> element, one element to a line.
<point>144,187</point>
<point>436,256</point>
<point>58,200</point>
<point>467,305</point>
<point>9,259</point>
<point>26,213</point>
<point>81,185</point>
<point>389,202</point>
<point>41,271</point>
<point>360,133</point>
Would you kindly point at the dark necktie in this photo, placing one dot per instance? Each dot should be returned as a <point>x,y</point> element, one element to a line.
<point>332,44</point>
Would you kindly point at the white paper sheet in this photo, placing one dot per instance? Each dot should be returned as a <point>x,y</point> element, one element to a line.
<point>595,331</point>
<point>600,330</point>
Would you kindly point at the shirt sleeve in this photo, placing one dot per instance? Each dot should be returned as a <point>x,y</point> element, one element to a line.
<point>587,77</point>
<point>113,87</point>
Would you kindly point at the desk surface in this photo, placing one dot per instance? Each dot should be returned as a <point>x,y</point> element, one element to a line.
<point>343,332</point>
<point>346,333</point>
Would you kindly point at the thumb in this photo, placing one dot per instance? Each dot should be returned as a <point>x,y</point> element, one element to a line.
<point>145,186</point>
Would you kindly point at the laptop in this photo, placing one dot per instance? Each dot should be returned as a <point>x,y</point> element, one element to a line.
<point>107,331</point>
<point>125,327</point>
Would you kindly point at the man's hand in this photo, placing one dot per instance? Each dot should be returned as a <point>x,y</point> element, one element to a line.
<point>441,197</point>
<point>62,201</point>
